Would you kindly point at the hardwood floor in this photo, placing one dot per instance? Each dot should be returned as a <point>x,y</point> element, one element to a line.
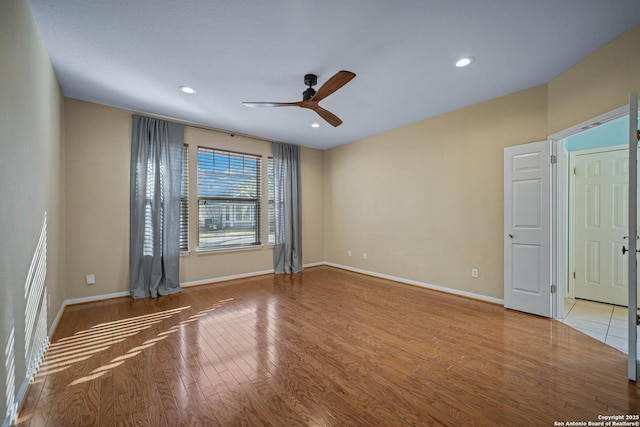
<point>324,347</point>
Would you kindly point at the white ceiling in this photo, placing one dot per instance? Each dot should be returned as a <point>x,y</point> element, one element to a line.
<point>135,54</point>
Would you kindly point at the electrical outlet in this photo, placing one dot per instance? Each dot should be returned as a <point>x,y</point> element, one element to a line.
<point>349,252</point>
<point>474,273</point>
<point>364,255</point>
<point>90,279</point>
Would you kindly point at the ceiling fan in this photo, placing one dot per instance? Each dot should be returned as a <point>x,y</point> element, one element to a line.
<point>311,98</point>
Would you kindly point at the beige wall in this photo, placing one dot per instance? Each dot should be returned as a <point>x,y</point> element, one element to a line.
<point>98,151</point>
<point>425,201</point>
<point>312,165</point>
<point>98,156</point>
<point>598,84</point>
<point>31,185</point>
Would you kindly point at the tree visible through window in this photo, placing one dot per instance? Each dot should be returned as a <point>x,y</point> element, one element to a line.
<point>228,198</point>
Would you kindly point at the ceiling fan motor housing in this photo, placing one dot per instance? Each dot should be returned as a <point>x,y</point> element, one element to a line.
<point>308,94</point>
<point>309,80</point>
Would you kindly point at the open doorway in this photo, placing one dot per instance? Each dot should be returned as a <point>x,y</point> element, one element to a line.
<point>530,201</point>
<point>597,172</point>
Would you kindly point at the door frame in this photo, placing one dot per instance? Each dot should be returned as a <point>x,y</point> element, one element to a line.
<point>560,236</point>
<point>571,232</point>
<point>559,223</point>
<point>560,194</point>
<point>634,136</point>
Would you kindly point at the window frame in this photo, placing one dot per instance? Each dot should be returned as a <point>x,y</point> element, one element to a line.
<point>231,208</point>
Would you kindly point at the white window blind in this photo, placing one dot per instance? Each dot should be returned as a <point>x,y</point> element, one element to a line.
<point>271,228</point>
<point>184,201</point>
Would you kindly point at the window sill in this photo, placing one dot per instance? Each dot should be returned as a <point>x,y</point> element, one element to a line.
<point>205,251</point>
<point>185,253</point>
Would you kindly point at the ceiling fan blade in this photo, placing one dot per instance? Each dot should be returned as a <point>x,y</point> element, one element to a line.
<point>340,79</point>
<point>328,116</point>
<point>272,104</point>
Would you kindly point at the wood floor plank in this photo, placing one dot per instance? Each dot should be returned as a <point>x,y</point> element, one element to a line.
<point>106,410</point>
<point>324,347</point>
<point>170,409</point>
<point>28,414</point>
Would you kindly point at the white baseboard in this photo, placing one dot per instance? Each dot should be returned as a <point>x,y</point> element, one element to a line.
<point>240,276</point>
<point>420,284</point>
<point>314,264</point>
<point>270,271</point>
<point>95,298</point>
<point>225,278</point>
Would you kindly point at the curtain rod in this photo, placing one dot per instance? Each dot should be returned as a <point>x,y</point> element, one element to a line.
<point>203,127</point>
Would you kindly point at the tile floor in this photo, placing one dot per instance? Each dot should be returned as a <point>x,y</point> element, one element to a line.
<point>604,322</point>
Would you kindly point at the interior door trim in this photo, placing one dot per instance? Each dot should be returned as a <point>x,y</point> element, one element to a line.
<point>632,365</point>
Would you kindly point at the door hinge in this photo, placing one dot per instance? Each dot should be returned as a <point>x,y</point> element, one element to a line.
<point>574,274</point>
<point>638,135</point>
<point>554,159</point>
<point>554,289</point>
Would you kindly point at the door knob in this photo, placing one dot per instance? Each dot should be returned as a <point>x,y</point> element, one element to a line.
<point>625,250</point>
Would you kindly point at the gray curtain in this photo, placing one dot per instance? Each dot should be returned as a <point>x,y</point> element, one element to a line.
<point>287,253</point>
<point>154,208</point>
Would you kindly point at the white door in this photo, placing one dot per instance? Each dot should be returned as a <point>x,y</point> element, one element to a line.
<point>601,225</point>
<point>527,228</point>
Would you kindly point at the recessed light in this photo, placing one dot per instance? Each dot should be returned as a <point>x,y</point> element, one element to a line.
<point>315,125</point>
<point>187,89</point>
<point>464,62</point>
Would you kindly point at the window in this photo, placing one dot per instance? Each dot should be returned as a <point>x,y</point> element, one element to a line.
<point>184,201</point>
<point>272,214</point>
<point>150,189</point>
<point>228,198</point>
